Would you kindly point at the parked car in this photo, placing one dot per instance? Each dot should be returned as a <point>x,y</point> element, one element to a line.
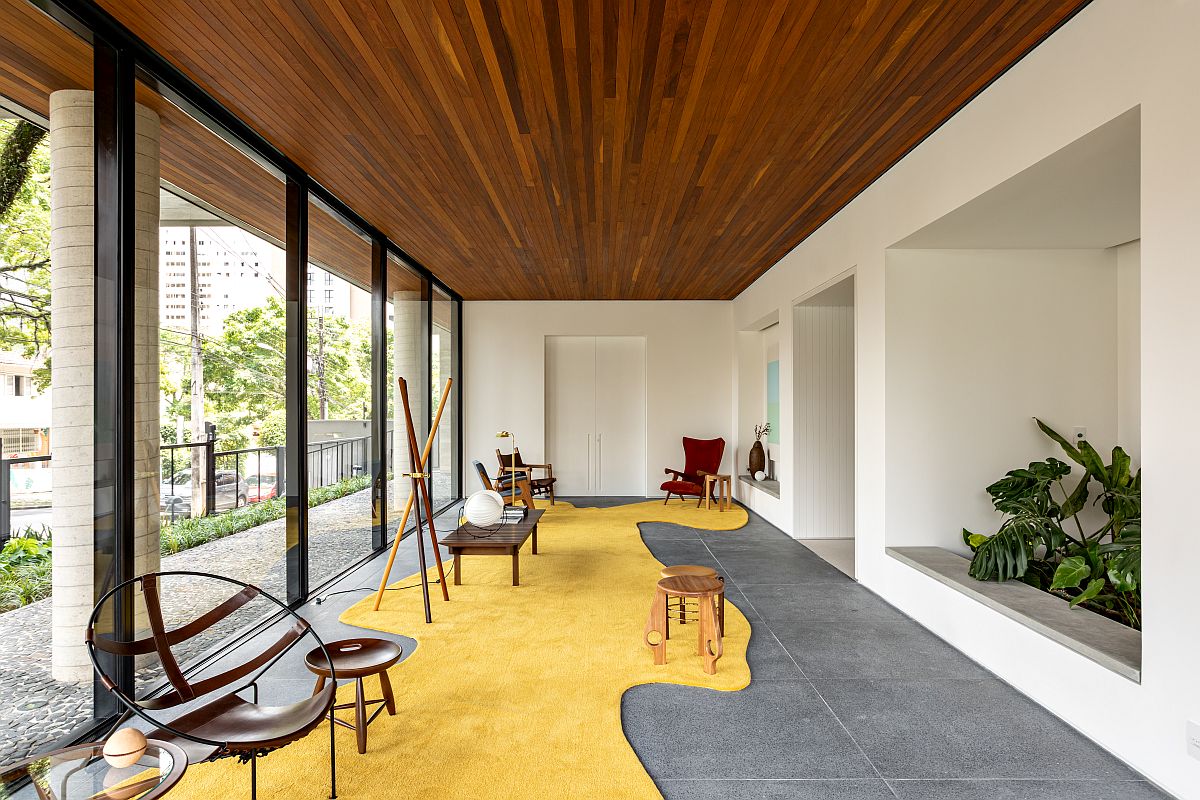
<point>175,493</point>
<point>260,487</point>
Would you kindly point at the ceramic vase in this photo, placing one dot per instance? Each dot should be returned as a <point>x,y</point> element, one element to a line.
<point>758,458</point>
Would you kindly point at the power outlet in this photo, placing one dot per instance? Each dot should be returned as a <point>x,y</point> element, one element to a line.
<point>1193,739</point>
<point>1080,433</point>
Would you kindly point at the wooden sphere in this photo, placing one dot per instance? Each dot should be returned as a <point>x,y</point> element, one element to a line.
<point>124,748</point>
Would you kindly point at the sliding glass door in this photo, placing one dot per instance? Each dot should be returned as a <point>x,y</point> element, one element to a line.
<point>443,365</point>
<point>199,350</point>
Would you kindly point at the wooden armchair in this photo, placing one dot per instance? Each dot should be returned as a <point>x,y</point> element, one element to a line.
<point>542,487</point>
<point>512,488</point>
<point>701,457</point>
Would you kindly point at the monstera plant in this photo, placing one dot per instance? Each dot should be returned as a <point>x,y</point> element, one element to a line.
<point>1045,542</point>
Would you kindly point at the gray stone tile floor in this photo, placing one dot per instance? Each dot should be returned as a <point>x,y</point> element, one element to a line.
<point>849,699</point>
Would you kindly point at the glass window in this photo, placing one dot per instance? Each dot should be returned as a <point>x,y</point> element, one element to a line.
<point>46,309</point>
<point>408,315</point>
<point>215,403</point>
<point>340,516</point>
<point>443,362</point>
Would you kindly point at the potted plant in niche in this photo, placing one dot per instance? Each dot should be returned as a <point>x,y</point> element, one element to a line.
<point>758,456</point>
<point>1046,542</point>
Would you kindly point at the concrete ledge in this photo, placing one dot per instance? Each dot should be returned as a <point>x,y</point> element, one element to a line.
<point>1105,641</point>
<point>767,485</point>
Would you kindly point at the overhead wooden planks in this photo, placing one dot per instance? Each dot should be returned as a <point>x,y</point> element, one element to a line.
<point>584,149</point>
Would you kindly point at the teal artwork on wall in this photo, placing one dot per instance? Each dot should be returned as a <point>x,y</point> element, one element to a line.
<point>773,401</point>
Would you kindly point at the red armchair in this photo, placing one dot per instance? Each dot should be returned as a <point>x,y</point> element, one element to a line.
<point>700,457</point>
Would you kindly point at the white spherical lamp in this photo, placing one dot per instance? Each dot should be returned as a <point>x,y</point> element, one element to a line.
<point>758,476</point>
<point>484,508</point>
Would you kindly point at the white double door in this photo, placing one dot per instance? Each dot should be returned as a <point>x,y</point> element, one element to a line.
<point>596,414</point>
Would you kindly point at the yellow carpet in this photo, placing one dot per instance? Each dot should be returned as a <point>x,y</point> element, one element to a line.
<point>513,692</point>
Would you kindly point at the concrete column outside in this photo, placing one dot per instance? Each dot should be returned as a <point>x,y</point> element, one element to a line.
<point>72,376</point>
<point>408,307</point>
<point>72,293</point>
<point>146,390</point>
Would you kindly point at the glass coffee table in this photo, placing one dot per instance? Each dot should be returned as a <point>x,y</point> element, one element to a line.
<point>81,773</point>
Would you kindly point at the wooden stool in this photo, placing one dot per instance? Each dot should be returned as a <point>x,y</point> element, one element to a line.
<point>724,484</point>
<point>356,659</point>
<point>682,610</point>
<point>707,592</point>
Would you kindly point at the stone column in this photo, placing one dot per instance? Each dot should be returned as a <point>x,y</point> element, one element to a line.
<point>72,274</point>
<point>146,389</point>
<point>408,308</point>
<point>72,372</point>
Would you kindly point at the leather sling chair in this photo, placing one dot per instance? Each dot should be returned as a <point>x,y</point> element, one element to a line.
<point>225,724</point>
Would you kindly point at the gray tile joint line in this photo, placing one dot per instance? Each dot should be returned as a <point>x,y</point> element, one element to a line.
<point>824,702</point>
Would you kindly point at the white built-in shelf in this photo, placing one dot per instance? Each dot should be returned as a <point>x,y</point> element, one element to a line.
<point>1103,640</point>
<point>766,485</point>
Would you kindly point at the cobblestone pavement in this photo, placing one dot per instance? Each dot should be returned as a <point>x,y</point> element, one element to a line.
<point>36,710</point>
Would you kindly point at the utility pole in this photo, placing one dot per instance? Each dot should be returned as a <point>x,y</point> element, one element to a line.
<point>199,468</point>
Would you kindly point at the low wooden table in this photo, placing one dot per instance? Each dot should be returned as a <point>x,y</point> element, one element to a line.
<point>505,540</point>
<point>724,485</point>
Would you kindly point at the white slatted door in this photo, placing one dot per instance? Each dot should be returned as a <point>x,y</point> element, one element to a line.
<point>621,415</point>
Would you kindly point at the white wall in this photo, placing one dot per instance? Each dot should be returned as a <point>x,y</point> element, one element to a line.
<point>1111,57</point>
<point>824,414</point>
<point>689,358</point>
<point>751,393</point>
<point>978,343</point>
<point>1129,341</point>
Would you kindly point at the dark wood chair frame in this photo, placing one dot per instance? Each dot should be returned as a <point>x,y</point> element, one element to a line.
<point>184,691</point>
<point>513,489</point>
<point>515,464</point>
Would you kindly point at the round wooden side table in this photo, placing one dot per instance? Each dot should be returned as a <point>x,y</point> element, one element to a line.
<point>355,659</point>
<point>708,593</point>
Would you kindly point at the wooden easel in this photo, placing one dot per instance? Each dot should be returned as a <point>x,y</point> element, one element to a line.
<point>419,494</point>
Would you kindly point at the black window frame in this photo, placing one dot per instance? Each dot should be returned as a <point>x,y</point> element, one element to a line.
<point>120,60</point>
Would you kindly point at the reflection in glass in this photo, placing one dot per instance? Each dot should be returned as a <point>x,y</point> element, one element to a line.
<point>339,396</point>
<point>212,314</point>
<point>408,314</point>
<point>442,359</point>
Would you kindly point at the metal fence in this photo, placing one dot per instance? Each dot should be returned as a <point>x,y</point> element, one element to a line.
<point>235,478</point>
<point>229,479</point>
<point>6,481</point>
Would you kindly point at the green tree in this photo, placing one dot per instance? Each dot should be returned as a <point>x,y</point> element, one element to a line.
<point>25,242</point>
<point>336,387</point>
<point>273,430</point>
<point>245,372</point>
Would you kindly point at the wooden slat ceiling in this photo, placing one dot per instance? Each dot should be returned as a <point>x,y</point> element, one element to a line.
<point>672,149</point>
<point>40,57</point>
